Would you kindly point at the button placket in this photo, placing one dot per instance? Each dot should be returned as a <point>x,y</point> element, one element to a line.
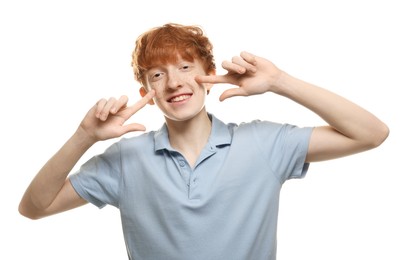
<point>188,174</point>
<point>182,163</point>
<point>185,171</point>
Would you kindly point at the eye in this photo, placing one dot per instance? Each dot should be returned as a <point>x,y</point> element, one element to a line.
<point>156,76</point>
<point>185,67</point>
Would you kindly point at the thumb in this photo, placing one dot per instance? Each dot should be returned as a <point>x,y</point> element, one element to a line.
<point>232,92</point>
<point>133,127</point>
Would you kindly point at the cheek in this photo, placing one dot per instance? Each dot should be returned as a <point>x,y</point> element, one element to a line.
<point>159,90</point>
<point>191,80</point>
<point>158,96</point>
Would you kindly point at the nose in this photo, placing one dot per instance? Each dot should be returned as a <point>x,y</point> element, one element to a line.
<point>174,80</point>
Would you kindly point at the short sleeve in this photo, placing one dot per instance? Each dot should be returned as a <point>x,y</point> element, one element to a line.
<point>98,180</point>
<point>285,147</point>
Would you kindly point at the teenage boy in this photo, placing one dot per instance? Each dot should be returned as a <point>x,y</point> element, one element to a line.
<point>197,188</point>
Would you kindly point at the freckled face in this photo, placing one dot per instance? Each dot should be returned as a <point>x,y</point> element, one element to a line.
<point>178,95</point>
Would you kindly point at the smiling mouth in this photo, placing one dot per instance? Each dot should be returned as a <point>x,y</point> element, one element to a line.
<point>179,98</point>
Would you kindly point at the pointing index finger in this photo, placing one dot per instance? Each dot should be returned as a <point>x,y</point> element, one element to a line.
<point>141,103</point>
<point>212,79</point>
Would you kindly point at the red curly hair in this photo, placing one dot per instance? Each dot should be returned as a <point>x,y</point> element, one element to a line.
<point>162,45</point>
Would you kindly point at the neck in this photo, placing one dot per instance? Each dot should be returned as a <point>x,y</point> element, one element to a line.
<point>190,136</point>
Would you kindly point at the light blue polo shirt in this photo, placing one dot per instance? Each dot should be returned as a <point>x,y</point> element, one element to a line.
<point>226,207</point>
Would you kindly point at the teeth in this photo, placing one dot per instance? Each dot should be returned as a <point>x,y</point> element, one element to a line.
<point>179,98</point>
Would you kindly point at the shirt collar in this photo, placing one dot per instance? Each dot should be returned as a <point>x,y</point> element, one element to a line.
<point>220,135</point>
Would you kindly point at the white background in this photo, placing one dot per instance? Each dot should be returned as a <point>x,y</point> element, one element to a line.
<point>57,58</point>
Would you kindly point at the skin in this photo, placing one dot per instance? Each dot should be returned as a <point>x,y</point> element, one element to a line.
<point>350,129</point>
<point>181,99</point>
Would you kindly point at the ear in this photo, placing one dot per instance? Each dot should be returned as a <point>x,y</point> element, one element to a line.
<point>143,91</point>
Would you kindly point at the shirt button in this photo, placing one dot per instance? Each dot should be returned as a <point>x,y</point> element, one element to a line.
<point>182,163</point>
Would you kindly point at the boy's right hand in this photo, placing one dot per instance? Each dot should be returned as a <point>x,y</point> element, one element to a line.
<point>106,119</point>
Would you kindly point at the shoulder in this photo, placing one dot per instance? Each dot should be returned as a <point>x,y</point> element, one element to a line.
<point>258,126</point>
<point>242,127</point>
<point>141,141</point>
<point>266,133</point>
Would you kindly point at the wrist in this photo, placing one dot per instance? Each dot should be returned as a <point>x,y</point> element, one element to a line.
<point>82,139</point>
<point>279,82</point>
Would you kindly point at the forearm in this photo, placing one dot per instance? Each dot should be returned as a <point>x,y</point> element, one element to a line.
<point>343,115</point>
<point>50,179</point>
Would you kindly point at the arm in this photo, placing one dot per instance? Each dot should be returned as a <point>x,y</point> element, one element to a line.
<point>351,129</point>
<point>50,192</point>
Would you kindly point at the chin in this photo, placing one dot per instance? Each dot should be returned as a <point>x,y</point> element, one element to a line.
<point>179,118</point>
<point>182,116</point>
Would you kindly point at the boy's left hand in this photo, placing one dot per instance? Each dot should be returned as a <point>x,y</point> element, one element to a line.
<point>252,74</point>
